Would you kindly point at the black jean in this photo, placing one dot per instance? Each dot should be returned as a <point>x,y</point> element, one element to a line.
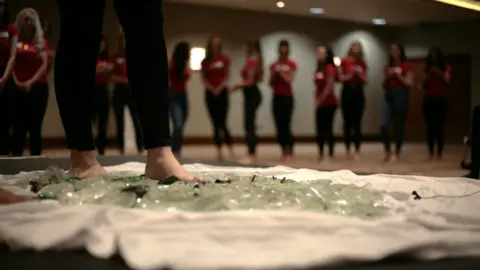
<point>101,109</point>
<point>6,115</point>
<point>353,106</point>
<point>218,111</point>
<point>30,108</point>
<point>324,127</point>
<point>282,115</point>
<point>142,23</point>
<point>123,97</point>
<point>179,115</point>
<point>435,113</point>
<point>395,110</point>
<point>252,101</point>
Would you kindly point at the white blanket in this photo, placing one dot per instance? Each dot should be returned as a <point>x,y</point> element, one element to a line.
<point>425,229</point>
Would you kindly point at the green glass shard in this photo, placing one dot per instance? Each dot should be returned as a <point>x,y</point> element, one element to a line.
<point>169,180</point>
<point>46,197</point>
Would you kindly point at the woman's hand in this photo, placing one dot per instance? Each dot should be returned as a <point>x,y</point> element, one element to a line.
<point>7,197</point>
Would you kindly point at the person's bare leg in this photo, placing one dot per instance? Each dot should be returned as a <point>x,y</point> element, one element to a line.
<point>84,164</point>
<point>161,163</point>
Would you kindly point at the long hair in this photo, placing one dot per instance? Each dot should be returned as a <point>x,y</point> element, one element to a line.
<point>254,47</point>
<point>209,50</point>
<point>403,56</point>
<point>350,50</point>
<point>328,61</point>
<point>5,20</point>
<point>181,54</point>
<point>103,55</point>
<point>37,37</point>
<point>440,61</point>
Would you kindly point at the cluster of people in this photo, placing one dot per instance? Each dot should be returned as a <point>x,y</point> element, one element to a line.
<point>351,73</point>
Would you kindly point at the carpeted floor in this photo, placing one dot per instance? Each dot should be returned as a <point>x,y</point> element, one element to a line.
<point>414,159</point>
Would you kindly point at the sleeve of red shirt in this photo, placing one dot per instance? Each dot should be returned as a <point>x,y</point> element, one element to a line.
<point>364,66</point>
<point>12,30</point>
<point>330,71</point>
<point>293,65</point>
<point>406,67</point>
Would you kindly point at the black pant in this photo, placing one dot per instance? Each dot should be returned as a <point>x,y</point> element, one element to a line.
<point>435,113</point>
<point>123,97</point>
<point>147,68</point>
<point>29,112</point>
<point>282,114</point>
<point>101,109</point>
<point>6,115</point>
<point>179,115</point>
<point>252,100</point>
<point>395,107</point>
<point>324,125</point>
<point>218,110</point>
<point>353,106</point>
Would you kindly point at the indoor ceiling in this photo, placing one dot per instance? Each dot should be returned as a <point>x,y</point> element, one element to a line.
<point>394,12</point>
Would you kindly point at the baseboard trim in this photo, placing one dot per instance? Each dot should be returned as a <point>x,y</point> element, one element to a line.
<point>60,142</point>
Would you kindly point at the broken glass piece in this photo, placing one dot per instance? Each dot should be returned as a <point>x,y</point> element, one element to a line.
<point>169,180</point>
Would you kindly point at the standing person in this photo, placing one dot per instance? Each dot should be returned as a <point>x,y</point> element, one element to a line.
<point>142,23</point>
<point>102,103</point>
<point>252,75</point>
<point>8,42</point>
<point>438,75</point>
<point>353,75</point>
<point>123,97</point>
<point>30,76</point>
<point>215,72</point>
<point>179,74</point>
<point>325,99</point>
<point>397,83</point>
<point>282,74</point>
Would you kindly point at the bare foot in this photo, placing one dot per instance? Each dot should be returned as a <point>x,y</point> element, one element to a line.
<point>231,153</point>
<point>220,156</point>
<point>84,164</point>
<point>248,160</point>
<point>288,159</point>
<point>161,163</point>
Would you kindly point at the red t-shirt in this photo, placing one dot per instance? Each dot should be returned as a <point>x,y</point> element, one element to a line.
<point>279,85</point>
<point>178,84</point>
<point>119,65</point>
<point>28,61</point>
<point>215,71</point>
<point>102,77</point>
<point>320,80</point>
<point>348,64</point>
<point>7,32</point>
<point>393,81</point>
<point>251,66</point>
<point>435,85</point>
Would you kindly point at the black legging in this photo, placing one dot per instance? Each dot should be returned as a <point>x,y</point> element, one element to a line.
<point>435,113</point>
<point>282,114</point>
<point>353,105</point>
<point>123,97</point>
<point>101,109</point>
<point>253,99</point>
<point>6,115</point>
<point>324,126</point>
<point>142,23</point>
<point>218,110</point>
<point>29,112</point>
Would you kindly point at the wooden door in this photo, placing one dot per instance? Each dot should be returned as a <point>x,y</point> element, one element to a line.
<point>459,101</point>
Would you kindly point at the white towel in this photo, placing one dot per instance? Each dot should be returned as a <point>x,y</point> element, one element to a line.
<point>427,229</point>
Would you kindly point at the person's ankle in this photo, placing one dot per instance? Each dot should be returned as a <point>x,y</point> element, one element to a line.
<point>159,153</point>
<point>83,158</point>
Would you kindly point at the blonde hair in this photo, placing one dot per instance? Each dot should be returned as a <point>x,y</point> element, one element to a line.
<point>38,39</point>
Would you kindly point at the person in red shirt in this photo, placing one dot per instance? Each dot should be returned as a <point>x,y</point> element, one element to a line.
<point>179,74</point>
<point>353,75</point>
<point>282,74</point>
<point>215,72</point>
<point>8,41</point>
<point>397,83</point>
<point>325,99</point>
<point>123,97</point>
<point>101,105</point>
<point>438,75</point>
<point>252,75</point>
<point>30,76</point>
